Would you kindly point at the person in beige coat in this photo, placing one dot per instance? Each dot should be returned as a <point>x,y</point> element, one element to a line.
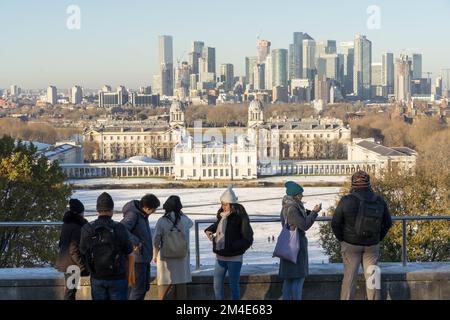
<point>172,274</point>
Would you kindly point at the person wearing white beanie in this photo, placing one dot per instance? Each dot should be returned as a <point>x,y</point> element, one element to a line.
<point>231,235</point>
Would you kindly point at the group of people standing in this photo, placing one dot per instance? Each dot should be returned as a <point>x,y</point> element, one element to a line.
<point>117,256</point>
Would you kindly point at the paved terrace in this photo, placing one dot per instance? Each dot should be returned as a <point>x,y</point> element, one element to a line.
<point>416,281</point>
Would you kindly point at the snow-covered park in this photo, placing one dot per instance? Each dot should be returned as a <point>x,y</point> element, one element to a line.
<point>204,203</point>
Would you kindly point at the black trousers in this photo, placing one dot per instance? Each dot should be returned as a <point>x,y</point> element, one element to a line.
<point>142,285</point>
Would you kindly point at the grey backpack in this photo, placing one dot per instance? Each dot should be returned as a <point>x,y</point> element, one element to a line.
<point>174,244</point>
<point>369,219</point>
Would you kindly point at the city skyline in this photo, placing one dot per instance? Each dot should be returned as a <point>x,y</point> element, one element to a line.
<point>85,56</point>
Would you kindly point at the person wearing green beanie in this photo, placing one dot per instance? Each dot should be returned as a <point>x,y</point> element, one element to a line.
<point>297,218</point>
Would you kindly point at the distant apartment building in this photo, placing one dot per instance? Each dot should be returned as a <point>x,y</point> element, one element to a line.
<point>107,99</point>
<point>76,95</point>
<point>52,95</point>
<point>402,85</point>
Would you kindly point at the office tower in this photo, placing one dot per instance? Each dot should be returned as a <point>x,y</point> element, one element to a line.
<point>322,87</point>
<point>259,77</point>
<point>156,84</point>
<point>106,88</point>
<point>291,65</point>
<point>328,65</point>
<point>309,59</point>
<point>113,99</point>
<point>227,75</point>
<point>195,55</point>
<point>145,90</point>
<point>193,82</point>
<point>402,86</point>
<point>378,89</point>
<point>348,52</point>
<point>122,95</point>
<point>387,75</point>
<point>52,95</point>
<point>166,64</point>
<point>362,67</point>
<point>438,88</point>
<point>268,73</point>
<point>76,95</point>
<point>14,91</point>
<point>301,90</point>
<point>279,67</point>
<point>297,53</point>
<point>208,61</point>
<point>182,78</point>
<point>417,66</point>
<point>250,63</point>
<point>421,87</point>
<point>263,47</point>
<point>324,47</point>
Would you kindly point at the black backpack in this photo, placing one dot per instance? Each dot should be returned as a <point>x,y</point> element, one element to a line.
<point>104,257</point>
<point>369,218</point>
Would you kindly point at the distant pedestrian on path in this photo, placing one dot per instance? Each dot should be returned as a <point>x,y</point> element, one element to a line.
<point>360,222</point>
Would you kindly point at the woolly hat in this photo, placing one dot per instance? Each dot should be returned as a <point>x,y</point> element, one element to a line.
<point>293,189</point>
<point>360,180</point>
<point>105,202</point>
<point>76,206</point>
<point>229,196</point>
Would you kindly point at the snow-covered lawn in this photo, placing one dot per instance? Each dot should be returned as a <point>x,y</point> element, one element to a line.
<point>206,202</point>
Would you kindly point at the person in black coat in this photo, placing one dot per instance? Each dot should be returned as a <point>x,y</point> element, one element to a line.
<point>232,236</point>
<point>69,252</point>
<point>356,246</point>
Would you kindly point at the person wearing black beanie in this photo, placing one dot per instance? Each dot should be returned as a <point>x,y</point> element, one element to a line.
<point>106,245</point>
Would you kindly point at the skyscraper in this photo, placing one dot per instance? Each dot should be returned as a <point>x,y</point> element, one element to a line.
<point>166,64</point>
<point>76,95</point>
<point>259,76</point>
<point>52,95</point>
<point>250,63</point>
<point>417,66</point>
<point>348,52</point>
<point>263,47</point>
<point>227,75</point>
<point>279,67</point>
<point>182,78</point>
<point>362,67</point>
<point>297,54</point>
<point>291,62</point>
<point>14,90</point>
<point>268,73</point>
<point>402,87</point>
<point>194,56</point>
<point>324,47</point>
<point>309,59</point>
<point>387,75</point>
<point>208,60</point>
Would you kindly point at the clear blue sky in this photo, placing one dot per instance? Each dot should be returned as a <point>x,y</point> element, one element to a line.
<point>117,43</point>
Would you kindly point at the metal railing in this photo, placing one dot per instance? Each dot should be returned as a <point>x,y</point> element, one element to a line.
<point>269,219</point>
<point>402,219</point>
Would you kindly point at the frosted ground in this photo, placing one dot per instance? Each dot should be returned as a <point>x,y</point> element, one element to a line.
<point>203,204</point>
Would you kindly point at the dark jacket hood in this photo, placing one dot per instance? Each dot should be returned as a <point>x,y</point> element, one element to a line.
<point>73,217</point>
<point>133,206</point>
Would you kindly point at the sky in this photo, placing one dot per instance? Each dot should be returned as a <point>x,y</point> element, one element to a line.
<point>117,42</point>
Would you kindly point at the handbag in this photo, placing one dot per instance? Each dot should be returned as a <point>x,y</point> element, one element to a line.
<point>288,245</point>
<point>174,245</point>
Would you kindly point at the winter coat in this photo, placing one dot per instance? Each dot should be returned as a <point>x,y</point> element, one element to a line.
<point>173,270</point>
<point>137,224</point>
<point>238,233</point>
<point>69,242</point>
<point>344,218</point>
<point>123,244</point>
<point>295,214</point>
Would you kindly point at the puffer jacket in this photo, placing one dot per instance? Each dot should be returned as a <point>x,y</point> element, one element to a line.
<point>137,224</point>
<point>344,219</point>
<point>238,233</point>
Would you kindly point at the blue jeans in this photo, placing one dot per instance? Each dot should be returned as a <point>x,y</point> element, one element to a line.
<point>234,273</point>
<point>292,289</point>
<point>109,289</point>
<point>142,285</point>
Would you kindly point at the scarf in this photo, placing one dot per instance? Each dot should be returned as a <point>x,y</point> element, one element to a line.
<point>220,232</point>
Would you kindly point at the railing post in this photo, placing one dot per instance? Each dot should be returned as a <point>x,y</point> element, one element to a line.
<point>404,251</point>
<point>197,247</point>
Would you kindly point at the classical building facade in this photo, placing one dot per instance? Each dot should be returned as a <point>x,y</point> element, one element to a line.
<point>116,143</point>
